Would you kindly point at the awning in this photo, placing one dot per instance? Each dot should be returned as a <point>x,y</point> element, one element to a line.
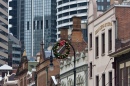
<point>5,67</point>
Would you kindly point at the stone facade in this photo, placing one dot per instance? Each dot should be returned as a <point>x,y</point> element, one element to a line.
<point>67,65</point>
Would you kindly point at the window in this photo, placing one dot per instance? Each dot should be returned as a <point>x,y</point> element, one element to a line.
<point>121,77</point>
<point>60,15</point>
<point>37,24</point>
<point>73,12</point>
<point>60,2</point>
<point>46,23</point>
<point>41,24</point>
<point>59,9</point>
<point>110,40</point>
<point>66,20</point>
<point>108,6</point>
<point>91,69</point>
<point>97,80</point>
<point>100,7</point>
<point>65,14</point>
<point>73,5</point>
<point>96,46</point>
<point>28,25</point>
<point>103,43</point>
<point>103,79</point>
<point>59,22</point>
<point>108,0</point>
<point>90,39</point>
<point>82,11</point>
<point>84,18</point>
<point>64,1</point>
<point>33,25</point>
<point>82,4</point>
<point>110,78</point>
<point>65,7</point>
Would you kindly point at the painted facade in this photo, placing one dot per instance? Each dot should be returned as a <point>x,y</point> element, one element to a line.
<point>100,64</point>
<point>104,34</point>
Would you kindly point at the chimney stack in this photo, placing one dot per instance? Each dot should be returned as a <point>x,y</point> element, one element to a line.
<point>76,23</point>
<point>64,33</point>
<point>77,35</point>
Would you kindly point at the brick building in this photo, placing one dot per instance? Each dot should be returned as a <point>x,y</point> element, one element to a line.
<point>105,33</point>
<point>122,46</point>
<point>42,69</point>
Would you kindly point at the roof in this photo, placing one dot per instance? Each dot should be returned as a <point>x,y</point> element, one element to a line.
<point>24,53</point>
<point>5,67</point>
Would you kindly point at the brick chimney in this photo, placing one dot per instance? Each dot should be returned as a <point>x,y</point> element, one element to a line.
<point>64,33</point>
<point>77,35</point>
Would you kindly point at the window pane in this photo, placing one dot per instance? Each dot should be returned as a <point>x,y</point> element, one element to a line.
<point>28,25</point>
<point>110,78</point>
<point>110,39</point>
<point>103,79</point>
<point>37,24</point>
<point>90,69</point>
<point>41,24</point>
<point>97,80</point>
<point>90,40</point>
<point>96,47</point>
<point>103,43</point>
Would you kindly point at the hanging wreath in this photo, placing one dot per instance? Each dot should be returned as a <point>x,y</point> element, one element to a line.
<point>58,46</point>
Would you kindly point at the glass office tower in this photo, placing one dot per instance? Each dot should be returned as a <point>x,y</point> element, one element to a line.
<point>103,5</point>
<point>35,24</point>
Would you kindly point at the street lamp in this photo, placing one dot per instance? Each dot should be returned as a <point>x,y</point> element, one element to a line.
<point>74,69</point>
<point>51,67</point>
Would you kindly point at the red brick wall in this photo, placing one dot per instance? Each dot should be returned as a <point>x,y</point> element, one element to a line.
<point>123,19</point>
<point>42,75</point>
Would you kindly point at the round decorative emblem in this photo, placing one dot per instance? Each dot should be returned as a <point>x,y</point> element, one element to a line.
<point>60,47</point>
